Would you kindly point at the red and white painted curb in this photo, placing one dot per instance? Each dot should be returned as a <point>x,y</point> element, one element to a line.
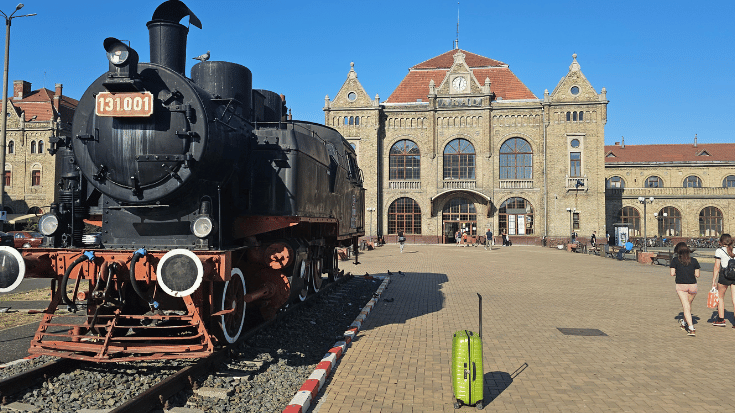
<point>302,400</point>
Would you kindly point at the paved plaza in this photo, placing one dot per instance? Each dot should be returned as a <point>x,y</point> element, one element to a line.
<point>400,361</point>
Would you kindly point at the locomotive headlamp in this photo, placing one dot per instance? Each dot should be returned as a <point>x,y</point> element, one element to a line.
<point>202,226</point>
<point>117,51</point>
<point>123,71</point>
<point>117,57</point>
<point>48,224</point>
<point>180,272</point>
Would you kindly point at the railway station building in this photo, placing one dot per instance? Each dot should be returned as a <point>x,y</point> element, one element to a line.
<point>463,144</point>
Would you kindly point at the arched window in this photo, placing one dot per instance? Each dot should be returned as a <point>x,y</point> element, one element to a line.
<point>669,222</point>
<point>33,146</point>
<point>404,214</point>
<point>569,116</point>
<point>347,120</point>
<point>516,159</point>
<point>35,177</point>
<point>515,216</point>
<point>654,182</point>
<point>729,181</point>
<point>8,178</point>
<point>615,182</point>
<point>629,215</point>
<point>352,120</point>
<point>459,160</point>
<point>574,116</point>
<point>357,120</point>
<point>581,116</point>
<point>692,181</point>
<point>11,147</point>
<point>405,161</point>
<point>35,210</point>
<point>40,146</point>
<point>710,222</point>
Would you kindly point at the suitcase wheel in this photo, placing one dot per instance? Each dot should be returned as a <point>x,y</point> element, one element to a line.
<point>479,405</point>
<point>456,404</point>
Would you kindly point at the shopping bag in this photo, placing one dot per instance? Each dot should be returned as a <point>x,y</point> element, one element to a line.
<point>712,298</point>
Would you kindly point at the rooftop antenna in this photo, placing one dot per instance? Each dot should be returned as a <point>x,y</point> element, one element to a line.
<point>456,41</point>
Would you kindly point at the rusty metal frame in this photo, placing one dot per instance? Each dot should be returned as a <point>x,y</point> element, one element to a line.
<point>188,337</point>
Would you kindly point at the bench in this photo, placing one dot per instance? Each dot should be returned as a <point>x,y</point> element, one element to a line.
<point>667,256</point>
<point>611,251</point>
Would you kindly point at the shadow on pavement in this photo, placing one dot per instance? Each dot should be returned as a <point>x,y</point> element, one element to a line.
<point>497,381</point>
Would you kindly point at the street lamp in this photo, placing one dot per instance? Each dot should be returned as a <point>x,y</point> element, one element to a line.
<point>370,210</point>
<point>645,202</point>
<point>4,111</point>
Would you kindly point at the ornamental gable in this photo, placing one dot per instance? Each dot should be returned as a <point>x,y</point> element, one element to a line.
<point>351,94</point>
<point>574,87</point>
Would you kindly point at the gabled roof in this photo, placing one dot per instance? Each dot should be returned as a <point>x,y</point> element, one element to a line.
<point>446,60</point>
<point>708,152</point>
<point>40,103</point>
<point>415,85</point>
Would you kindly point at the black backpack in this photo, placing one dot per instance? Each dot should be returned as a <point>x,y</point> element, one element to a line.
<point>729,272</point>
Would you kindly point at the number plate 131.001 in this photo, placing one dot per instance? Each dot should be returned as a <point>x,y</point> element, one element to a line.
<point>124,104</point>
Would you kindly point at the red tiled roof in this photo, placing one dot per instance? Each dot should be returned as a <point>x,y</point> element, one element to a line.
<point>718,152</point>
<point>415,85</point>
<point>446,60</point>
<point>40,103</point>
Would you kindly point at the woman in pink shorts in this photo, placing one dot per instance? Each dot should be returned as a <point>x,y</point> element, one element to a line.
<point>686,270</point>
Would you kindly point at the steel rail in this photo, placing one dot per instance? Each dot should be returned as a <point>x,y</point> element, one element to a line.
<point>156,396</point>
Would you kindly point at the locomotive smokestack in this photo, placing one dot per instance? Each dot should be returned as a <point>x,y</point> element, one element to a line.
<point>168,37</point>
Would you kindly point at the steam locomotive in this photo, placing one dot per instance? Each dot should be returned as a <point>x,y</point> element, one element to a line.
<point>210,199</point>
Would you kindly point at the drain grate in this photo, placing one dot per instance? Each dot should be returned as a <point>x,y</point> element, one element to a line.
<point>581,331</point>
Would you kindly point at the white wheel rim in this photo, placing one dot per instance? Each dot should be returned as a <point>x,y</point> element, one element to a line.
<point>231,339</point>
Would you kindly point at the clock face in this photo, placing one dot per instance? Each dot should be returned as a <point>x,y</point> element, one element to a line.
<point>459,84</point>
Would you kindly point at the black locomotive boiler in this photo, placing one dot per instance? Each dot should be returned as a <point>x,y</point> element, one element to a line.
<point>210,199</point>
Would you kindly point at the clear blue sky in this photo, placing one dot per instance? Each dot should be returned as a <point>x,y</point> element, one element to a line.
<point>668,66</point>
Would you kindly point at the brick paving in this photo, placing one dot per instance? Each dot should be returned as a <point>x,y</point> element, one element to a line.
<point>400,361</point>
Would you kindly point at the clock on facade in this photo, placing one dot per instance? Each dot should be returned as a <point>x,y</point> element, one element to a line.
<point>459,84</point>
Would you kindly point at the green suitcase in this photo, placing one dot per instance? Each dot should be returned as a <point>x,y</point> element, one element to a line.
<point>467,372</point>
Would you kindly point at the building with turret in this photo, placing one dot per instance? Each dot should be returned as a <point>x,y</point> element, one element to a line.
<point>34,118</point>
<point>463,145</point>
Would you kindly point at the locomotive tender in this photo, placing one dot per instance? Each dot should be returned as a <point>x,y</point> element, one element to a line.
<point>210,201</point>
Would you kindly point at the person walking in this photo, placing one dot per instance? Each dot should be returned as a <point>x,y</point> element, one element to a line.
<point>723,255</point>
<point>593,239</point>
<point>457,237</point>
<point>686,270</point>
<point>401,240</point>
<point>505,238</point>
<point>489,239</point>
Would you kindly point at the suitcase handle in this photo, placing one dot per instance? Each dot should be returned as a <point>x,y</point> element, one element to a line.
<point>466,372</point>
<point>474,371</point>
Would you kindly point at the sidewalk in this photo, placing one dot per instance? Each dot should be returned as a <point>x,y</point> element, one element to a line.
<point>400,361</point>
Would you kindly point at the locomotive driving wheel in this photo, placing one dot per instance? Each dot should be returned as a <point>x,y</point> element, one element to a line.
<point>303,275</point>
<point>315,283</point>
<point>334,272</point>
<point>231,298</point>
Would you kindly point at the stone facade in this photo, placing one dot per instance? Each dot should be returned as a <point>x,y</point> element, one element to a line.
<point>540,167</point>
<point>33,118</point>
<point>458,105</point>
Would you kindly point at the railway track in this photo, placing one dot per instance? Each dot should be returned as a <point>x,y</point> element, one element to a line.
<point>280,352</point>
